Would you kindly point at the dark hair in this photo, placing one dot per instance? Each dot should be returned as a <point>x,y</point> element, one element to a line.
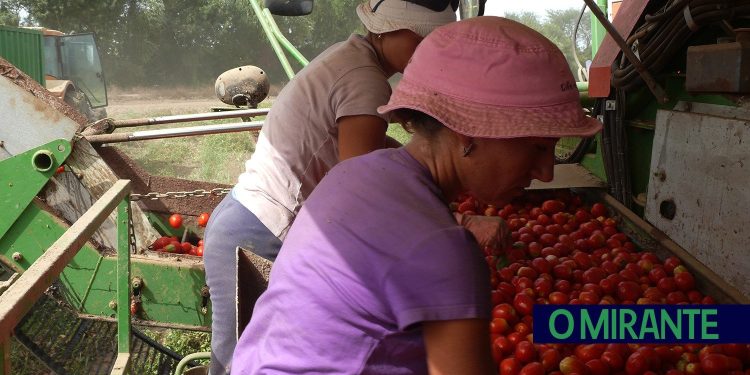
<point>414,121</point>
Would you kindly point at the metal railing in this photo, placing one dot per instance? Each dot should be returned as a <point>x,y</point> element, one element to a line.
<point>18,299</point>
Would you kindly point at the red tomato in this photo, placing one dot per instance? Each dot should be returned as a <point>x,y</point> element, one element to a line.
<point>523,304</point>
<point>613,359</point>
<point>175,221</point>
<point>550,359</point>
<point>636,364</point>
<point>551,207</point>
<point>60,169</point>
<point>597,367</point>
<point>186,247</point>
<point>715,364</point>
<point>598,209</point>
<point>525,352</point>
<point>510,366</point>
<point>503,346</point>
<point>533,368</point>
<point>685,281</point>
<point>199,251</point>
<point>628,291</point>
<point>499,326</point>
<point>161,242</point>
<point>203,219</point>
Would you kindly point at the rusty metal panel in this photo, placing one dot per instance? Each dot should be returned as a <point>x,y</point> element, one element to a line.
<point>24,48</point>
<point>723,67</point>
<point>697,193</point>
<point>601,68</point>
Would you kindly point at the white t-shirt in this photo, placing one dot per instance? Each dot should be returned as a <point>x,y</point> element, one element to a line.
<point>298,144</point>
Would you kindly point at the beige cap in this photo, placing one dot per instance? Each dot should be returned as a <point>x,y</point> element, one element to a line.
<point>383,16</point>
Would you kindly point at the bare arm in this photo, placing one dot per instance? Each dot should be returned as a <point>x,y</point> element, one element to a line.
<point>458,347</point>
<point>360,134</point>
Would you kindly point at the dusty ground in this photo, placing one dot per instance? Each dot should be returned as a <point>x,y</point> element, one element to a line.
<point>154,102</point>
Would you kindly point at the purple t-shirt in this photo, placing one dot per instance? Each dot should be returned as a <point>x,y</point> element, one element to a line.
<point>373,252</point>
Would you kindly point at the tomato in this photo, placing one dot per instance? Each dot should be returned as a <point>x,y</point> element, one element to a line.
<point>628,291</point>
<point>171,248</point>
<point>671,263</point>
<point>636,364</point>
<point>510,366</point>
<point>551,207</point>
<point>499,326</point>
<point>572,365</point>
<point>160,243</point>
<point>505,311</point>
<point>185,247</point>
<point>550,359</point>
<point>715,364</point>
<point>525,352</point>
<point>60,169</point>
<point>175,221</point>
<point>203,219</point>
<point>685,281</point>
<point>588,352</point>
<point>199,251</point>
<point>598,210</point>
<point>533,368</point>
<point>613,359</point>
<point>597,367</point>
<point>523,304</point>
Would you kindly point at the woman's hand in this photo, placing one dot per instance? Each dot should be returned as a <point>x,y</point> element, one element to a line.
<point>489,231</point>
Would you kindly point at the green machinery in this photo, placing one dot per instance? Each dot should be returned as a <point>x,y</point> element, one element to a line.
<point>672,153</point>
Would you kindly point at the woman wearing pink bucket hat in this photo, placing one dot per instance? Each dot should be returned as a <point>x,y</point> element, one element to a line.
<point>375,275</point>
<point>325,114</point>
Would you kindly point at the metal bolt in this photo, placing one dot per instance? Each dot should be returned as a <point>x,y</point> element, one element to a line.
<point>17,256</point>
<point>79,175</point>
<point>137,283</point>
<point>204,310</point>
<point>204,291</point>
<point>112,305</point>
<point>61,148</point>
<point>2,144</point>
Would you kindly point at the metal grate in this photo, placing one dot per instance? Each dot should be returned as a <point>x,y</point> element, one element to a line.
<point>69,344</point>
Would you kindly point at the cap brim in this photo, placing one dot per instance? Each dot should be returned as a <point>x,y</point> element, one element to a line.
<point>488,121</point>
<point>378,24</point>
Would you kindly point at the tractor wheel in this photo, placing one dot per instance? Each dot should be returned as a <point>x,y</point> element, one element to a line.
<point>77,100</point>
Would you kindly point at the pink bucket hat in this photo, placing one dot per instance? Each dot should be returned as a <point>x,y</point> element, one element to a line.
<point>491,77</point>
<point>384,16</point>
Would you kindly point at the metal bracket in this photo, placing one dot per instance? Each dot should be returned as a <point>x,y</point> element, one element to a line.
<point>24,175</point>
<point>610,105</point>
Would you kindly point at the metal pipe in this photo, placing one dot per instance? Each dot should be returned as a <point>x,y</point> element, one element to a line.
<point>283,40</point>
<point>188,358</point>
<point>658,92</point>
<point>597,31</point>
<point>269,35</point>
<point>20,297</point>
<point>190,117</point>
<point>175,132</point>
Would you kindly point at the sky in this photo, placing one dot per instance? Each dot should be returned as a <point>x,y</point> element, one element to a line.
<point>499,7</point>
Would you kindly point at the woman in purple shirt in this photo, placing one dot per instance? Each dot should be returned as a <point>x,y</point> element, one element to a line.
<point>375,276</point>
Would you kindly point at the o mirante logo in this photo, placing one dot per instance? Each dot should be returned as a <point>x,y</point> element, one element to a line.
<point>641,324</point>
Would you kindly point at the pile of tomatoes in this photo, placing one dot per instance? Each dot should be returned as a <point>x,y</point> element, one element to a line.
<point>173,245</point>
<point>565,252</point>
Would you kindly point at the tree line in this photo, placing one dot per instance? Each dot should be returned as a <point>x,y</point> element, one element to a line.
<point>189,43</point>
